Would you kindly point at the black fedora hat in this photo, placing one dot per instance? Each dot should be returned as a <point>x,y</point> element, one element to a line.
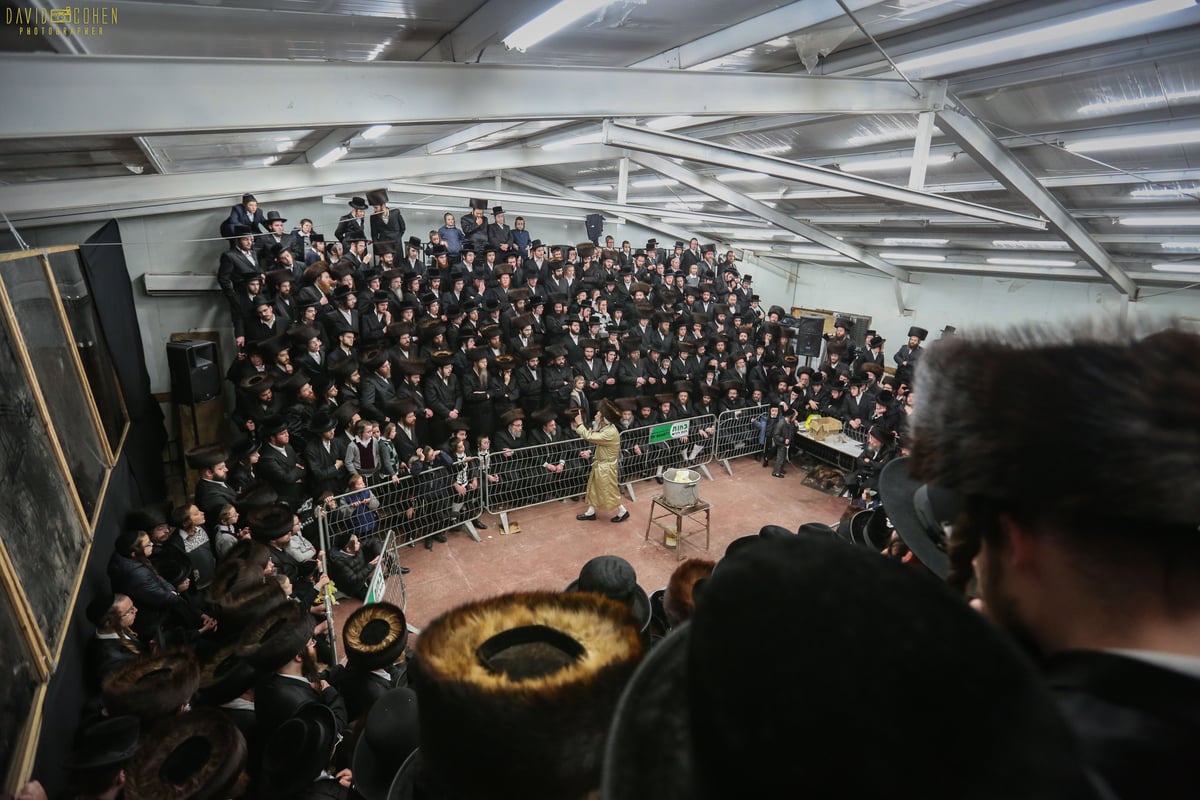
<point>920,513</point>
<point>615,578</point>
<point>110,741</point>
<point>276,638</point>
<point>357,203</point>
<point>269,522</point>
<point>390,736</point>
<point>298,751</point>
<point>692,725</point>
<point>195,756</point>
<point>374,636</point>
<point>224,675</point>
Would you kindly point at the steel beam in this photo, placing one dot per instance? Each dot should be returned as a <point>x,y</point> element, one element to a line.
<point>311,94</point>
<point>222,185</point>
<point>672,144</point>
<point>994,157</point>
<point>726,194</point>
<point>794,17</point>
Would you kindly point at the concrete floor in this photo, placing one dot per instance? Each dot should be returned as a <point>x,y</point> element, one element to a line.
<point>553,545</point>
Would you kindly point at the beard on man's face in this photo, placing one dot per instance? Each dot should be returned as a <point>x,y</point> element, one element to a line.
<point>994,585</point>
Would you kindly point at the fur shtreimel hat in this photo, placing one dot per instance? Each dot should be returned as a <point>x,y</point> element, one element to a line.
<point>152,688</point>
<point>812,620</point>
<point>1134,434</point>
<point>527,684</point>
<point>195,756</point>
<point>375,636</point>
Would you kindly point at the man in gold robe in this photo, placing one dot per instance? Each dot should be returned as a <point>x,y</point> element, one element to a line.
<point>603,489</point>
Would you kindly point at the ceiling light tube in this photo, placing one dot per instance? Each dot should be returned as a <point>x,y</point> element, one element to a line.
<point>1181,245</point>
<point>1165,192</point>
<point>1030,244</point>
<point>1062,34</point>
<point>1161,220</point>
<point>1177,267</point>
<point>898,256</point>
<point>899,162</point>
<point>1134,141</point>
<point>900,241</point>
<point>593,187</point>
<point>551,22</point>
<point>332,156</point>
<point>1032,262</point>
<point>742,177</point>
<point>658,181</point>
<point>375,131</point>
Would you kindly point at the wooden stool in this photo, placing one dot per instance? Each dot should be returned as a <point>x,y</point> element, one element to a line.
<point>685,523</point>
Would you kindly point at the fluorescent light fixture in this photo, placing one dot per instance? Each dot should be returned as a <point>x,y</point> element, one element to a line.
<point>900,241</point>
<point>1177,267</point>
<point>754,232</point>
<point>1032,262</point>
<point>593,187</point>
<point>684,220</point>
<point>375,131</point>
<point>269,160</point>
<point>1166,192</point>
<point>551,22</point>
<point>883,137</point>
<point>1181,245</point>
<point>742,177</point>
<point>782,41</point>
<point>662,123</point>
<point>1134,140</point>
<point>332,156</point>
<point>1061,35</point>
<point>771,149</point>
<point>1161,220</point>
<point>899,162</point>
<point>1030,244</point>
<point>896,255</point>
<point>284,146</point>
<point>571,141</point>
<point>658,181</point>
<point>1136,103</point>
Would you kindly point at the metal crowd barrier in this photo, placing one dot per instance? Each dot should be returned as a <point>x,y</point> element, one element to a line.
<point>536,474</point>
<point>741,432</point>
<point>424,503</point>
<point>312,530</point>
<point>647,451</point>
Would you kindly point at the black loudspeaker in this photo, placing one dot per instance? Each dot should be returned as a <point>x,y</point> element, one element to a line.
<point>814,326</point>
<point>808,338</point>
<point>194,374</point>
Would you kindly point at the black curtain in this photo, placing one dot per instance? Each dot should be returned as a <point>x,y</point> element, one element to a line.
<point>112,295</point>
<point>136,479</point>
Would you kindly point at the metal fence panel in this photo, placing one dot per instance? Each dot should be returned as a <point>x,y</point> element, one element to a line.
<point>741,432</point>
<point>528,476</point>
<point>648,451</point>
<point>387,581</point>
<point>427,501</point>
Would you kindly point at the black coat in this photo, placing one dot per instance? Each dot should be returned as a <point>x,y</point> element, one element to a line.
<point>282,472</point>
<point>1138,723</point>
<point>390,230</point>
<point>277,698</point>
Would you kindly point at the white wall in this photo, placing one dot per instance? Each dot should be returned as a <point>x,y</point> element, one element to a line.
<point>969,302</point>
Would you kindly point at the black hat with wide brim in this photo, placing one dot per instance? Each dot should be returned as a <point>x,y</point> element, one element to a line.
<point>812,622</point>
<point>615,578</point>
<point>391,735</point>
<point>920,513</point>
<point>298,751</point>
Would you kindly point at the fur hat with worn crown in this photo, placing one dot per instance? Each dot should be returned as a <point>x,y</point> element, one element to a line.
<point>152,688</point>
<point>527,683</point>
<point>1132,431</point>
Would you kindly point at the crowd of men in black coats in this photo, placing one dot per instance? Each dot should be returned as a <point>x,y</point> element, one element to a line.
<point>463,337</point>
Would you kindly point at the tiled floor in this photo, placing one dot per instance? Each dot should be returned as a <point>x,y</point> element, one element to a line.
<point>553,545</point>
